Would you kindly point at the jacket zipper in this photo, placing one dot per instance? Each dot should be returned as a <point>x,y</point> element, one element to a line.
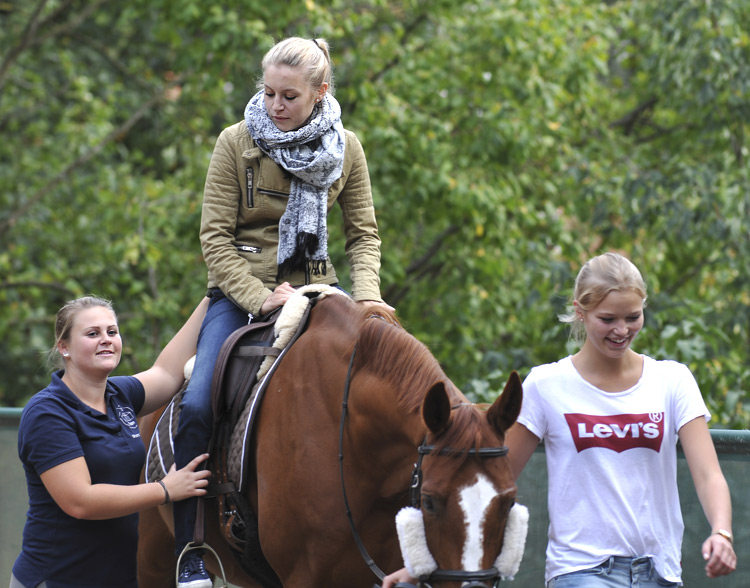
<point>250,174</point>
<point>273,192</point>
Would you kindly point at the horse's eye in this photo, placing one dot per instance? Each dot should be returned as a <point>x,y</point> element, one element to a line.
<point>428,504</point>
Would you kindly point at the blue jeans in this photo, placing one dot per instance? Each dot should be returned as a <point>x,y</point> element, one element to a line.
<point>223,317</point>
<point>616,572</point>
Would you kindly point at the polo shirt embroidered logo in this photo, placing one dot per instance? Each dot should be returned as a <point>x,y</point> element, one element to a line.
<point>127,416</point>
<point>617,432</point>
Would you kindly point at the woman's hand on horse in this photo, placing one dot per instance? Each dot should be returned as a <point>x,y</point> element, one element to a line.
<point>378,303</point>
<point>278,297</point>
<point>188,481</point>
<point>397,577</point>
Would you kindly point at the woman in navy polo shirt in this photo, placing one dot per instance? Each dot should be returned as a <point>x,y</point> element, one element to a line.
<point>81,449</point>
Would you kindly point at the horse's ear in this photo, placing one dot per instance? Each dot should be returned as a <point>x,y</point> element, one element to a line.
<point>504,411</point>
<point>436,409</point>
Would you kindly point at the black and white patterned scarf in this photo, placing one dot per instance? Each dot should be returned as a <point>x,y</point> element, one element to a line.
<point>314,155</point>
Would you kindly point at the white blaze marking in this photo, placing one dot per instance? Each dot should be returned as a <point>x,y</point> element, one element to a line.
<point>474,502</point>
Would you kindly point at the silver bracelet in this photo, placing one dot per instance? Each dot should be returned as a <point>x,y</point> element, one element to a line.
<point>167,499</point>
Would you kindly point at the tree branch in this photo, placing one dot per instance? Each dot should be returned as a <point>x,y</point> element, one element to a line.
<point>437,244</point>
<point>29,37</point>
<point>696,268</point>
<point>418,268</point>
<point>103,52</point>
<point>26,40</point>
<point>632,118</point>
<point>661,132</point>
<point>67,27</point>
<point>375,76</point>
<point>408,29</point>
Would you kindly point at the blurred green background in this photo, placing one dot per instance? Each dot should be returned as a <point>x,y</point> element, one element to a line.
<point>507,143</point>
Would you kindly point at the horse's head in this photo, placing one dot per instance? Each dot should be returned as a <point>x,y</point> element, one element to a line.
<point>464,527</point>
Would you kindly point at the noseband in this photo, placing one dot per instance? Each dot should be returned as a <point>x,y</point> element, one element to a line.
<point>479,579</point>
<point>476,579</point>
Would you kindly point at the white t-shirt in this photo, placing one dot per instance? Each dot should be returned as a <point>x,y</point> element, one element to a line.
<point>612,463</point>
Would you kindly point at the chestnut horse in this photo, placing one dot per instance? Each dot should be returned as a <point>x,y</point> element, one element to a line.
<point>354,404</point>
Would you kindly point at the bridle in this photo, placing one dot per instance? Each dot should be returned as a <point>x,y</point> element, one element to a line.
<point>476,579</point>
<point>415,490</point>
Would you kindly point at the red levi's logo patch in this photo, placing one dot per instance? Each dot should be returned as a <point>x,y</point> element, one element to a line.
<point>618,432</point>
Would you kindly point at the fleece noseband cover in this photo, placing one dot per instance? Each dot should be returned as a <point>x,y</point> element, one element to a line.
<point>419,561</point>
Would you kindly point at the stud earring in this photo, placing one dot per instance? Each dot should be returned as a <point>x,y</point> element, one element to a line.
<point>66,354</point>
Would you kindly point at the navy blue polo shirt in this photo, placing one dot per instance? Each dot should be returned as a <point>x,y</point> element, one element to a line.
<point>56,427</point>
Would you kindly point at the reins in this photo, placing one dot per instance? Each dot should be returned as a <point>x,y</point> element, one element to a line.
<point>357,539</point>
<point>474,579</point>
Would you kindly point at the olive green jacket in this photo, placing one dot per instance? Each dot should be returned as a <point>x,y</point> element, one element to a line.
<point>245,195</point>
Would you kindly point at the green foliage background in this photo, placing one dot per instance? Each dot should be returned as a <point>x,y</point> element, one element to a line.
<point>507,143</point>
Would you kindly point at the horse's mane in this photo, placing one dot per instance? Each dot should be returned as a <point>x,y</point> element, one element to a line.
<point>385,348</point>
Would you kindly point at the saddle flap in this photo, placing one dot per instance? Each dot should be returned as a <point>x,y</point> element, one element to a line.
<point>237,365</point>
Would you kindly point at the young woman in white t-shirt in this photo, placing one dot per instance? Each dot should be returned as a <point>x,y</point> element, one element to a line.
<point>610,419</point>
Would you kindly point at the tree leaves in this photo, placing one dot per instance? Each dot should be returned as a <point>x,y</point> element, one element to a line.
<point>507,142</point>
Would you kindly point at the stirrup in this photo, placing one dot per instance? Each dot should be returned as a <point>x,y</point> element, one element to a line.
<point>193,546</point>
